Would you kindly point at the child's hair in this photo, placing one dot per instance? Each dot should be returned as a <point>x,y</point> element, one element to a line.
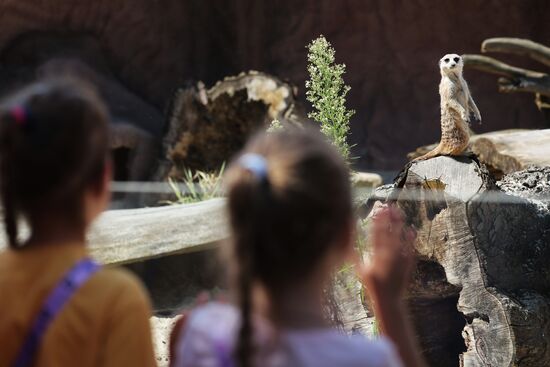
<point>289,201</point>
<point>53,146</point>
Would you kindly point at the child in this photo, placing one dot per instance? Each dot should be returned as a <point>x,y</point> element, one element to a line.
<point>292,224</point>
<point>59,308</point>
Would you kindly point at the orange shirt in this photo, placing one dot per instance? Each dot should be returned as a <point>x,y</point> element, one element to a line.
<point>105,323</point>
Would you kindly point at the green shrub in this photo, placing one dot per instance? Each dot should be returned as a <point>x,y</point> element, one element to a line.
<point>197,186</point>
<point>274,126</point>
<point>326,92</point>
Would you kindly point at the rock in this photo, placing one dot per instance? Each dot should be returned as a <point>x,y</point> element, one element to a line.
<point>366,180</point>
<point>532,184</point>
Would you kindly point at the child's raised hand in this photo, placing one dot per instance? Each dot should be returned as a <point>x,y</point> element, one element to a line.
<point>392,257</point>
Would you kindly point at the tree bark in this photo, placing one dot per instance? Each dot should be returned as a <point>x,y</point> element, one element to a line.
<point>134,235</point>
<point>507,151</point>
<point>518,46</point>
<point>513,79</point>
<point>208,126</point>
<point>484,269</point>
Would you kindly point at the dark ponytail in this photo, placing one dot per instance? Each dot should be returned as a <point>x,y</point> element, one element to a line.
<point>244,349</point>
<point>7,141</point>
<point>254,192</point>
<point>53,146</point>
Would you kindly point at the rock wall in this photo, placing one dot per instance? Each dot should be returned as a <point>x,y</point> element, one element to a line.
<point>391,48</point>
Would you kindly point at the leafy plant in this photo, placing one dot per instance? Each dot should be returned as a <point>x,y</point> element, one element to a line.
<point>197,186</point>
<point>274,126</point>
<point>326,91</point>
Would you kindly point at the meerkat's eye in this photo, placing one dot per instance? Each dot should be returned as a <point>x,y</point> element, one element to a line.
<point>446,60</point>
<point>456,59</point>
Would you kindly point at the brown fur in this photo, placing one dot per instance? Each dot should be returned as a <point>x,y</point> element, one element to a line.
<point>456,107</point>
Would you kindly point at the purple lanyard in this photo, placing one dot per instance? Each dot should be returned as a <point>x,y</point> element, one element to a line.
<point>224,357</point>
<point>58,297</point>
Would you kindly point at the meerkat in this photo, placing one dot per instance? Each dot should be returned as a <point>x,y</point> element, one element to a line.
<point>457,107</point>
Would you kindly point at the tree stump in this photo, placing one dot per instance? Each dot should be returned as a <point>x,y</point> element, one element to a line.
<point>208,126</point>
<point>480,291</point>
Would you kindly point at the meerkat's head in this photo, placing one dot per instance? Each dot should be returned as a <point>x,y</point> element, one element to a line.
<point>451,64</point>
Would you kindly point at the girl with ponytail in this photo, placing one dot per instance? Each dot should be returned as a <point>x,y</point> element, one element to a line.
<point>59,307</point>
<point>292,223</point>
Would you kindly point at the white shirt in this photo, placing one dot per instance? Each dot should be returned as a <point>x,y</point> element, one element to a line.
<point>211,333</point>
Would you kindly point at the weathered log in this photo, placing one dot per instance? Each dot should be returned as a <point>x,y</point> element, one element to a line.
<point>513,79</point>
<point>518,46</point>
<point>484,266</point>
<point>507,151</point>
<point>133,235</point>
<point>511,151</point>
<point>208,126</point>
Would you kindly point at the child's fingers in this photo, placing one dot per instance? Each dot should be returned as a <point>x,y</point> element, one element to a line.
<point>387,226</point>
<point>396,214</point>
<point>410,235</point>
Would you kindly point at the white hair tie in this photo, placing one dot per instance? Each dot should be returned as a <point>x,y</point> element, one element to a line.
<point>254,163</point>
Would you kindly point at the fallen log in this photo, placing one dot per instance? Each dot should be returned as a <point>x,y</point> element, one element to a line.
<point>480,293</point>
<point>518,46</point>
<point>507,151</point>
<point>514,79</point>
<point>208,126</point>
<point>134,235</point>
<point>511,151</point>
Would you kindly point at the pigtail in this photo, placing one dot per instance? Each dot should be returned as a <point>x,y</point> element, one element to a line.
<point>6,186</point>
<point>248,198</point>
<point>244,350</point>
<point>39,126</point>
<point>10,218</point>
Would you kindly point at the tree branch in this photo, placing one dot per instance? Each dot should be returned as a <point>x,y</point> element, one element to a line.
<point>518,46</point>
<point>514,79</point>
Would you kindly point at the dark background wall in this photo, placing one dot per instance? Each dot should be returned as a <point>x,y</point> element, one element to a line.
<point>390,47</point>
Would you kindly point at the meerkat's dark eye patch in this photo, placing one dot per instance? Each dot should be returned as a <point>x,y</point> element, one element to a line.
<point>456,59</point>
<point>446,60</point>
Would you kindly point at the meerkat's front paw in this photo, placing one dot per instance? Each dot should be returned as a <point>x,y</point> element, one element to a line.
<point>475,116</point>
<point>478,117</point>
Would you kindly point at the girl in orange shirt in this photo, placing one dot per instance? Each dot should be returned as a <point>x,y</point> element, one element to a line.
<point>59,308</point>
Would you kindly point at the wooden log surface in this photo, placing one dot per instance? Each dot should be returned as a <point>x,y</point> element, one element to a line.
<point>511,151</point>
<point>508,151</point>
<point>513,79</point>
<point>518,46</point>
<point>133,235</point>
<point>483,253</point>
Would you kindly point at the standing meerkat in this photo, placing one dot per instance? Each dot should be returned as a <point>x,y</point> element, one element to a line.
<point>457,106</point>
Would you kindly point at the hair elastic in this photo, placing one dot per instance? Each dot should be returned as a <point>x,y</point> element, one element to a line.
<point>20,115</point>
<point>255,163</point>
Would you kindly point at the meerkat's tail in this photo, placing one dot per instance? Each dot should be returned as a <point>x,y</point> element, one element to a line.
<point>431,154</point>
